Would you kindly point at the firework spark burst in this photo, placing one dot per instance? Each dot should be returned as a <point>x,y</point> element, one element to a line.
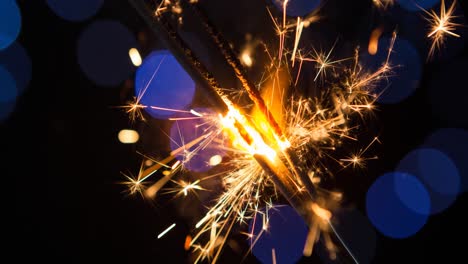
<point>441,26</point>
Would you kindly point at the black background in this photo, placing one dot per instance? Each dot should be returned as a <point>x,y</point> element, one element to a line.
<point>64,156</point>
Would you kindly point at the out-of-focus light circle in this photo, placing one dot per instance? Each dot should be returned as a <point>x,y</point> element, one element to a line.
<point>437,172</point>
<point>17,62</point>
<point>391,202</point>
<point>185,131</point>
<point>416,5</point>
<point>8,93</point>
<point>447,92</point>
<point>405,74</point>
<point>75,10</point>
<point>162,82</point>
<point>286,233</point>
<point>10,22</point>
<point>357,233</point>
<point>8,90</point>
<point>454,143</point>
<point>128,136</point>
<point>103,52</point>
<point>297,7</point>
<point>135,57</point>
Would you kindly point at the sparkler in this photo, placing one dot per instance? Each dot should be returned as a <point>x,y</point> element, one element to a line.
<point>268,152</point>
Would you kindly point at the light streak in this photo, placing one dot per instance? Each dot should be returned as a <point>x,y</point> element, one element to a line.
<point>166,230</point>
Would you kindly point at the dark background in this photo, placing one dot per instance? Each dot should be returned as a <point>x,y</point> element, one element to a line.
<point>64,156</point>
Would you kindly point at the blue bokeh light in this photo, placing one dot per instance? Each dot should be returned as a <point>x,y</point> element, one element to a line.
<point>287,233</point>
<point>357,233</point>
<point>185,131</point>
<point>103,52</point>
<point>416,5</point>
<point>8,93</point>
<point>454,143</point>
<point>398,204</point>
<point>10,22</point>
<point>406,71</point>
<point>438,173</point>
<point>297,7</point>
<point>17,62</point>
<point>8,90</point>
<point>75,10</point>
<point>162,82</point>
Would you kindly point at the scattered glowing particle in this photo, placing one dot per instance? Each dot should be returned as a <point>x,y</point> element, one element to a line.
<point>374,40</point>
<point>215,160</point>
<point>166,230</point>
<point>188,242</point>
<point>148,162</point>
<point>128,136</point>
<point>166,173</point>
<point>135,57</point>
<point>246,59</point>
<point>273,256</point>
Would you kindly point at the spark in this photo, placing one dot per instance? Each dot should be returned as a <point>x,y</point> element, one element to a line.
<point>166,230</point>
<point>441,25</point>
<point>134,109</point>
<point>357,160</point>
<point>324,62</point>
<point>383,4</point>
<point>184,187</point>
